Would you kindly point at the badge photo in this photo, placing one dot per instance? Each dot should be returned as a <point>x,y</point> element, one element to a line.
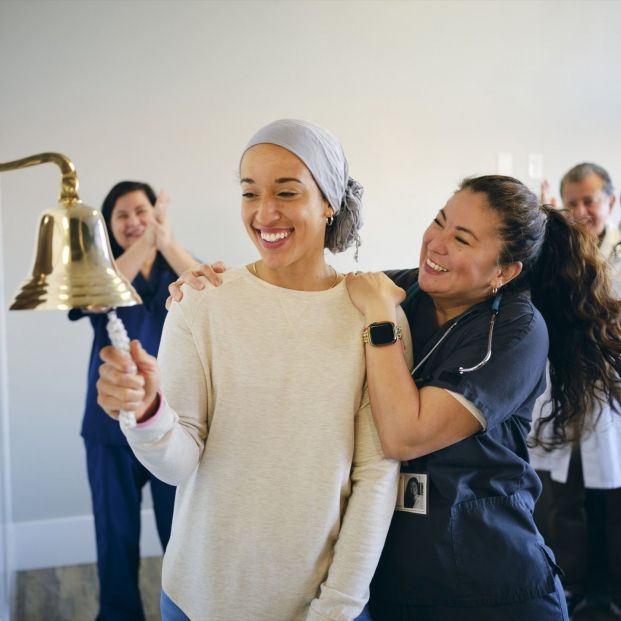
<point>412,496</point>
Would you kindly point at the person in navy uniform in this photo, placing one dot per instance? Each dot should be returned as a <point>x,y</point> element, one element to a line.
<point>502,282</point>
<point>148,256</point>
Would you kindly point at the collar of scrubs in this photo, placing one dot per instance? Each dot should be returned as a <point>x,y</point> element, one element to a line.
<point>415,289</point>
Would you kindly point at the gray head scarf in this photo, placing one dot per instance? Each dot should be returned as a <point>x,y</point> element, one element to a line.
<point>323,155</point>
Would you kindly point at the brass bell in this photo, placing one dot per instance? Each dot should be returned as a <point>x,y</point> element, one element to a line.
<point>73,266</point>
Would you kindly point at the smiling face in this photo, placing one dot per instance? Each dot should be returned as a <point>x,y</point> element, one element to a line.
<point>588,202</point>
<point>283,210</point>
<point>413,488</point>
<point>460,253</point>
<point>130,217</point>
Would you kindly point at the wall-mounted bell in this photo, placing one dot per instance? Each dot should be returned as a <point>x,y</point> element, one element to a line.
<point>73,266</point>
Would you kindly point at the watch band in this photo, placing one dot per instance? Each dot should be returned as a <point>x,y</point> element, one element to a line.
<point>381,333</point>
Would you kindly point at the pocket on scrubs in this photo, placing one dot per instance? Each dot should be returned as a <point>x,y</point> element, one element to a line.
<point>500,556</point>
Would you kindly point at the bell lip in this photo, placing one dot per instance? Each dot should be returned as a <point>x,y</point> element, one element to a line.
<point>82,286</point>
<point>21,304</point>
<point>39,296</point>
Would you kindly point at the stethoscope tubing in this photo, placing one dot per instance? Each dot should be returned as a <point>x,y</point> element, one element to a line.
<point>414,289</point>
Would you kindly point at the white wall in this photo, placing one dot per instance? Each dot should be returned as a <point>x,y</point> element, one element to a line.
<point>6,558</point>
<point>421,94</point>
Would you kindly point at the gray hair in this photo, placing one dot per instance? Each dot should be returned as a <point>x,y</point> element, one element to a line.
<point>586,169</point>
<point>322,153</point>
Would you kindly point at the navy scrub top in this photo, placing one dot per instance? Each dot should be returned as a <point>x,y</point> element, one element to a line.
<point>143,322</point>
<point>478,544</point>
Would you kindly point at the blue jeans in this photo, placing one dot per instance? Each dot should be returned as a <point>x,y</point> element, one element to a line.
<point>171,612</point>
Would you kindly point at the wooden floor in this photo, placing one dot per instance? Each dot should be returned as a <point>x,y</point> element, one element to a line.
<point>70,593</point>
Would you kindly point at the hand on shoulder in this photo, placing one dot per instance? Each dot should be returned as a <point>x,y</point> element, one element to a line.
<point>196,277</point>
<point>374,294</point>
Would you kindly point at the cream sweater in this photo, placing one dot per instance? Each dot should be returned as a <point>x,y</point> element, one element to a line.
<point>284,497</point>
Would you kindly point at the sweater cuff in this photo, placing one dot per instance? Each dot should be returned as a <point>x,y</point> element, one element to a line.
<point>152,419</point>
<point>332,605</point>
<point>154,428</point>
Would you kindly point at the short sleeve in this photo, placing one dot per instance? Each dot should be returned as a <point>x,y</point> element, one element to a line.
<point>509,383</point>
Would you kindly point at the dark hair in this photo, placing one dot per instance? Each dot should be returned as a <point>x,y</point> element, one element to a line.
<point>584,170</point>
<point>410,494</point>
<point>343,232</point>
<point>121,189</point>
<point>569,284</point>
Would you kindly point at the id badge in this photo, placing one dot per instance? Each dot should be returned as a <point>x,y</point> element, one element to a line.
<point>412,496</point>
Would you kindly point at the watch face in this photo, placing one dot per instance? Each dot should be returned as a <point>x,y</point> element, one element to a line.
<point>382,333</point>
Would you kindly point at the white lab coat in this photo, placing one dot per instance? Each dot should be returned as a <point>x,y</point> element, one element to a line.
<point>600,446</point>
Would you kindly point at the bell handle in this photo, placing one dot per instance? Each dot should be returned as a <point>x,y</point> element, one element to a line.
<point>120,340</point>
<point>69,184</point>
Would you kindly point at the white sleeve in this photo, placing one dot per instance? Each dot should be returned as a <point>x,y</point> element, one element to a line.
<point>364,528</point>
<point>172,445</point>
<point>473,409</point>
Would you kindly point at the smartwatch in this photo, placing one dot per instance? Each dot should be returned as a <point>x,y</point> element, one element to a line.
<point>381,333</point>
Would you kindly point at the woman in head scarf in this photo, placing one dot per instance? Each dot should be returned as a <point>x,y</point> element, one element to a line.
<point>261,417</point>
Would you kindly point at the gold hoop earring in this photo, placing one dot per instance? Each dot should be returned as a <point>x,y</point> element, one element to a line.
<point>330,220</point>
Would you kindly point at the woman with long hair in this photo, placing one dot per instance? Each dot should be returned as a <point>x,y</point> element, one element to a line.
<point>504,284</point>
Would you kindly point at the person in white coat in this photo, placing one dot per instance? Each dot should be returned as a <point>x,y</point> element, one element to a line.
<point>583,479</point>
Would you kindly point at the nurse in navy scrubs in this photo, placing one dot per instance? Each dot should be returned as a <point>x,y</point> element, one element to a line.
<point>147,255</point>
<point>488,305</point>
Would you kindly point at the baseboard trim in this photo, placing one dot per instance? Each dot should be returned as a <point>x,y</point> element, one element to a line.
<point>69,541</point>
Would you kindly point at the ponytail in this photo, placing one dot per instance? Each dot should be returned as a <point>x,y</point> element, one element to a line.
<point>570,286</point>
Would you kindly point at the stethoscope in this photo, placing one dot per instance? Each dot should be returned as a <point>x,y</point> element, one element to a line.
<point>415,289</point>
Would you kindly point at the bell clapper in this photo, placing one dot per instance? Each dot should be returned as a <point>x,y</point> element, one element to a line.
<point>120,340</point>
